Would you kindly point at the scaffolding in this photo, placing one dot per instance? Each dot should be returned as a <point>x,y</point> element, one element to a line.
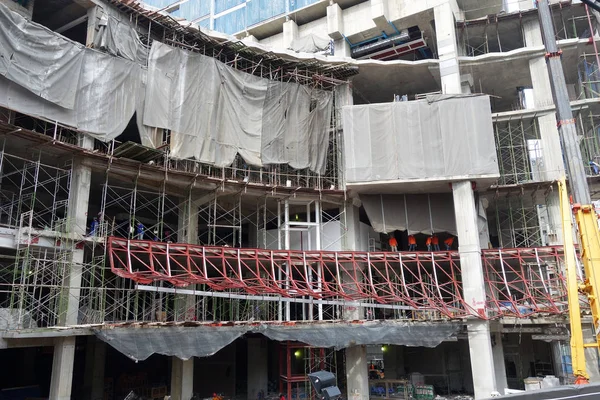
<point>296,361</point>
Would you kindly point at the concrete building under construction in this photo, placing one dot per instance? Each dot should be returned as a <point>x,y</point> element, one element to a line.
<point>197,197</point>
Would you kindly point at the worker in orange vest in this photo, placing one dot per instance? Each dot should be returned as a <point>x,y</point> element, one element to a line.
<point>393,243</point>
<point>436,243</point>
<point>449,242</point>
<point>412,243</point>
<point>428,242</point>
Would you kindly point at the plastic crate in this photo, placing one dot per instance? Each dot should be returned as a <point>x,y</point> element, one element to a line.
<point>424,392</point>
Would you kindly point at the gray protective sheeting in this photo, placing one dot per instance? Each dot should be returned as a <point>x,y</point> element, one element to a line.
<point>48,76</point>
<point>202,341</point>
<point>417,213</point>
<point>310,43</point>
<point>215,111</point>
<point>117,36</point>
<point>435,139</point>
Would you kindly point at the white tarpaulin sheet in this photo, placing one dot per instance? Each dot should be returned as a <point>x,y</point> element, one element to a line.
<point>415,213</point>
<point>434,139</point>
<point>83,88</point>
<point>215,111</point>
<point>310,43</point>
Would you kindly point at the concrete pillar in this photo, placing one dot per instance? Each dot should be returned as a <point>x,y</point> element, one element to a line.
<point>187,232</point>
<point>445,31</point>
<point>553,162</point>
<point>182,379</point>
<point>64,348</point>
<point>62,368</point>
<point>380,15</point>
<point>357,373</point>
<point>290,33</point>
<point>480,344</point>
<point>258,367</point>
<point>94,368</point>
<point>94,16</point>
<point>335,22</point>
<point>498,350</point>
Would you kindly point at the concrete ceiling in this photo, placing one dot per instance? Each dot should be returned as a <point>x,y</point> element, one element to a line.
<point>55,14</point>
<point>479,8</point>
<point>377,82</point>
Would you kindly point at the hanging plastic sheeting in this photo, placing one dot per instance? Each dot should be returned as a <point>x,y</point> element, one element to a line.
<point>292,133</point>
<point>416,213</point>
<point>203,341</point>
<point>310,43</point>
<point>215,112</point>
<point>482,224</point>
<point>38,59</point>
<point>435,139</point>
<point>181,342</point>
<point>117,36</point>
<point>91,76</point>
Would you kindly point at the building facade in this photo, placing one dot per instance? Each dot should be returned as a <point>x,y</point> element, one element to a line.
<point>187,212</point>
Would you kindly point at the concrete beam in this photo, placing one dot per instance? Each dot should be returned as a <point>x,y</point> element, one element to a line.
<point>335,22</point>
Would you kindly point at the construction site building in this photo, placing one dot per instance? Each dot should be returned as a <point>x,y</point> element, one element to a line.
<point>197,197</point>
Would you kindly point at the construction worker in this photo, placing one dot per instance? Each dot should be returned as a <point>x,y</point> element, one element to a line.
<point>595,167</point>
<point>140,231</point>
<point>94,227</point>
<point>429,242</point>
<point>412,243</point>
<point>449,242</point>
<point>393,243</point>
<point>435,241</point>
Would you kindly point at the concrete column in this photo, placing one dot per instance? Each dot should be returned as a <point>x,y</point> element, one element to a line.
<point>62,368</point>
<point>187,232</point>
<point>447,49</point>
<point>351,232</point>
<point>498,350</point>
<point>94,368</point>
<point>182,379</point>
<point>335,22</point>
<point>94,16</point>
<point>357,373</point>
<point>553,162</point>
<point>290,33</point>
<point>258,367</point>
<point>380,15</point>
<point>64,348</point>
<point>480,344</point>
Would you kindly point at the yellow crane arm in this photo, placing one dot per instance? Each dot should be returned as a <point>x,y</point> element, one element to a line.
<point>577,343</point>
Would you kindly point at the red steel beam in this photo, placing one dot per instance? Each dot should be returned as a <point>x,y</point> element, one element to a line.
<point>519,282</point>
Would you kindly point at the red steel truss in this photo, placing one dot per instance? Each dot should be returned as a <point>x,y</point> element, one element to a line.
<point>519,282</point>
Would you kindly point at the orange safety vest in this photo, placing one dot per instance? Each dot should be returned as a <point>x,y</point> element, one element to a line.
<point>428,242</point>
<point>412,240</point>
<point>449,241</point>
<point>393,242</point>
<point>435,240</point>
